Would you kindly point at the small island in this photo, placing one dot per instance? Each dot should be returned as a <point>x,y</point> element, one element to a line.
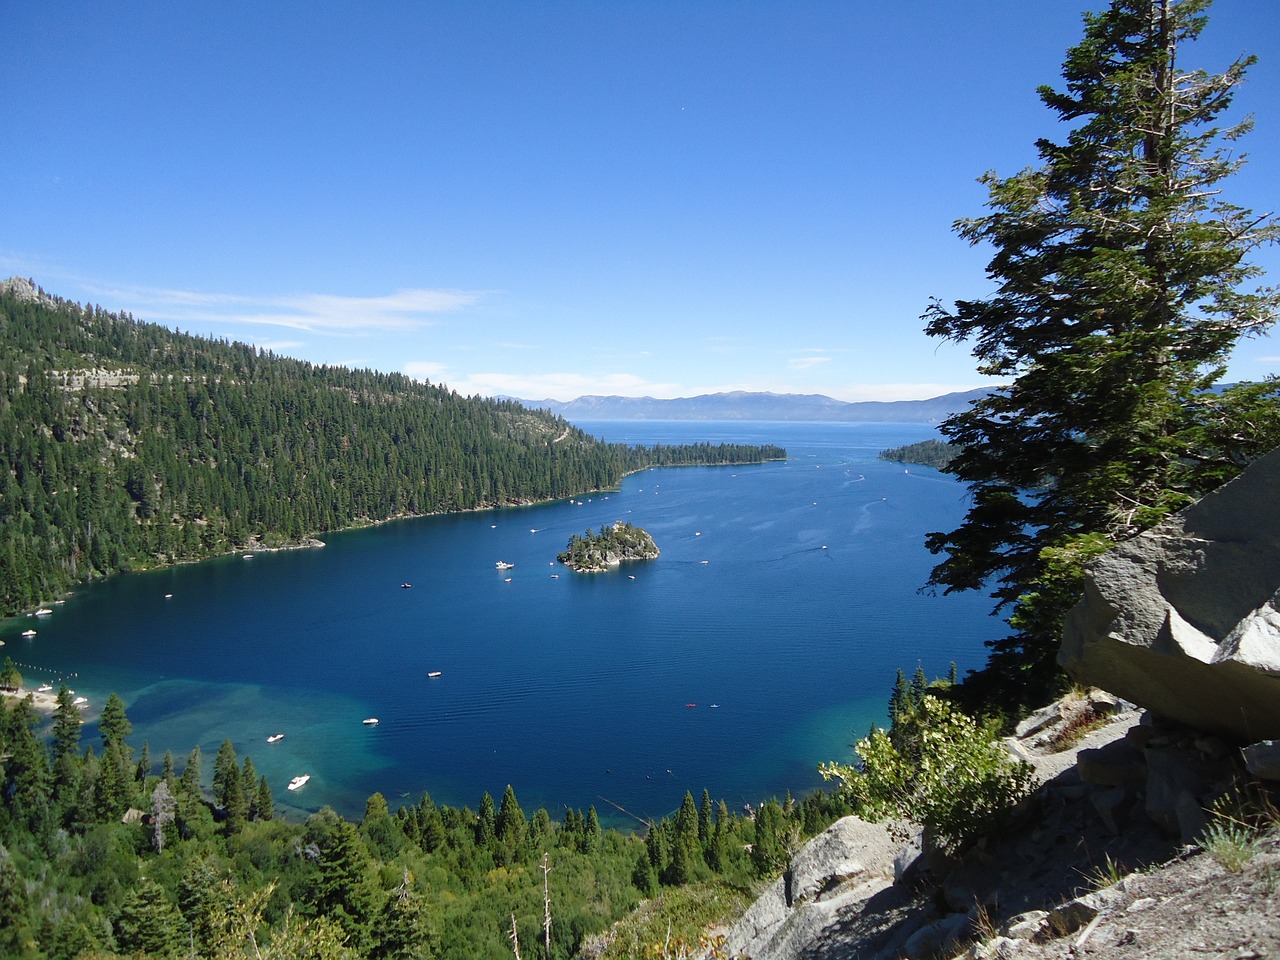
<point>929,453</point>
<point>597,552</point>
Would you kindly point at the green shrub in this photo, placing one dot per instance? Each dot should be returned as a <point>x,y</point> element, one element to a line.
<point>956,780</point>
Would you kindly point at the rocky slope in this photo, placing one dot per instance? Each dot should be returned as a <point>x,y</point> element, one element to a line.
<point>1089,871</point>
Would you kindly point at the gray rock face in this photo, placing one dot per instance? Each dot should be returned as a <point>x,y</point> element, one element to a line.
<point>1185,619</point>
<point>1263,759</point>
<point>19,287</point>
<point>834,872</point>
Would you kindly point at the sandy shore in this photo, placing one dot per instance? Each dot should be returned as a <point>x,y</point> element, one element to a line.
<point>44,702</point>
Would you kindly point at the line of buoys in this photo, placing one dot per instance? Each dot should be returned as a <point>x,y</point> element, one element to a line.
<point>32,666</point>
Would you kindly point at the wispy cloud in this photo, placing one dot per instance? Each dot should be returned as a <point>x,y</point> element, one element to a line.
<point>424,370</point>
<point>278,346</point>
<point>807,363</point>
<point>311,312</point>
<point>557,386</point>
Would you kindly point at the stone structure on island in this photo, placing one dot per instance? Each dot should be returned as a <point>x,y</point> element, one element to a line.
<point>1185,618</point>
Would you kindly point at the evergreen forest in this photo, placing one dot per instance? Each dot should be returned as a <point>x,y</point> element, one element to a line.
<point>106,851</point>
<point>125,445</point>
<point>927,453</point>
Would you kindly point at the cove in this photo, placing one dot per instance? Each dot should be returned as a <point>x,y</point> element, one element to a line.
<point>762,641</point>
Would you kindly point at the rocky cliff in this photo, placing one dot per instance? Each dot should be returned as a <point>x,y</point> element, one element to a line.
<point>1096,867</point>
<point>1183,619</point>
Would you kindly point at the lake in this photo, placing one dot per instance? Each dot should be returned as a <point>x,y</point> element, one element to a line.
<point>762,641</point>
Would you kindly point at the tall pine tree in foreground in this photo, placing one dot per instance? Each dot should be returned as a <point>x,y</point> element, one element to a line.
<point>1122,284</point>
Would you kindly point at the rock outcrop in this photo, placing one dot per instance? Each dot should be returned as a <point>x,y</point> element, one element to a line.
<point>835,872</point>
<point>1185,619</point>
<point>856,893</point>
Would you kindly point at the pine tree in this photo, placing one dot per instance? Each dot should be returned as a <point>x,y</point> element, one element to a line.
<point>191,773</point>
<point>511,828</point>
<point>10,676</point>
<point>15,906</point>
<point>65,747</point>
<point>345,891</point>
<point>404,929</point>
<point>113,724</point>
<point>111,788</point>
<point>379,829</point>
<point>592,835</point>
<point>249,789</point>
<point>769,851</point>
<point>226,771</point>
<point>265,804</point>
<point>432,825</point>
<point>1120,272</point>
<point>486,823</point>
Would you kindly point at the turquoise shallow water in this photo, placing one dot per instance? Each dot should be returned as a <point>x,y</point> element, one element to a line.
<point>785,598</point>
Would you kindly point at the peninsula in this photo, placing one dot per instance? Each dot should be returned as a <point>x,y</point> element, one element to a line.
<point>597,552</point>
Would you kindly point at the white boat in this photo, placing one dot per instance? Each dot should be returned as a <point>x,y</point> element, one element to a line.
<point>434,673</point>
<point>275,738</point>
<point>371,721</point>
<point>503,565</point>
<point>79,701</point>
<point>299,781</point>
<point>28,633</point>
<point>44,688</point>
<point>43,612</point>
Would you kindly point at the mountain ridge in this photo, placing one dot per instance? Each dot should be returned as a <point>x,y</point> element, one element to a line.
<point>748,405</point>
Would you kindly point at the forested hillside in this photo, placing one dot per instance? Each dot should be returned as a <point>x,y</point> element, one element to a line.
<point>125,444</point>
<point>929,453</point>
<point>105,852</point>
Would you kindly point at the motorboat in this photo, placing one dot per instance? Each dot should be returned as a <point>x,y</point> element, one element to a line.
<point>44,612</point>
<point>433,674</point>
<point>370,721</point>
<point>79,701</point>
<point>28,633</point>
<point>503,565</point>
<point>275,738</point>
<point>300,781</point>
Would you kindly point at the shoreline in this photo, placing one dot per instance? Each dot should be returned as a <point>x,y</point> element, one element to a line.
<point>44,702</point>
<point>257,544</point>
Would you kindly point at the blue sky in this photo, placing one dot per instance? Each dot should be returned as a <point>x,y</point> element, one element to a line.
<point>550,199</point>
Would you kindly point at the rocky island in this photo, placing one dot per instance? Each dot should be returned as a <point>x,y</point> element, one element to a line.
<point>597,552</point>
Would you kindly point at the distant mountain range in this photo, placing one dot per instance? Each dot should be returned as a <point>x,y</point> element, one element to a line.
<point>741,405</point>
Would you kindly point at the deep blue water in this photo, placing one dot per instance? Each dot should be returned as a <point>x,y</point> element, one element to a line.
<point>786,595</point>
